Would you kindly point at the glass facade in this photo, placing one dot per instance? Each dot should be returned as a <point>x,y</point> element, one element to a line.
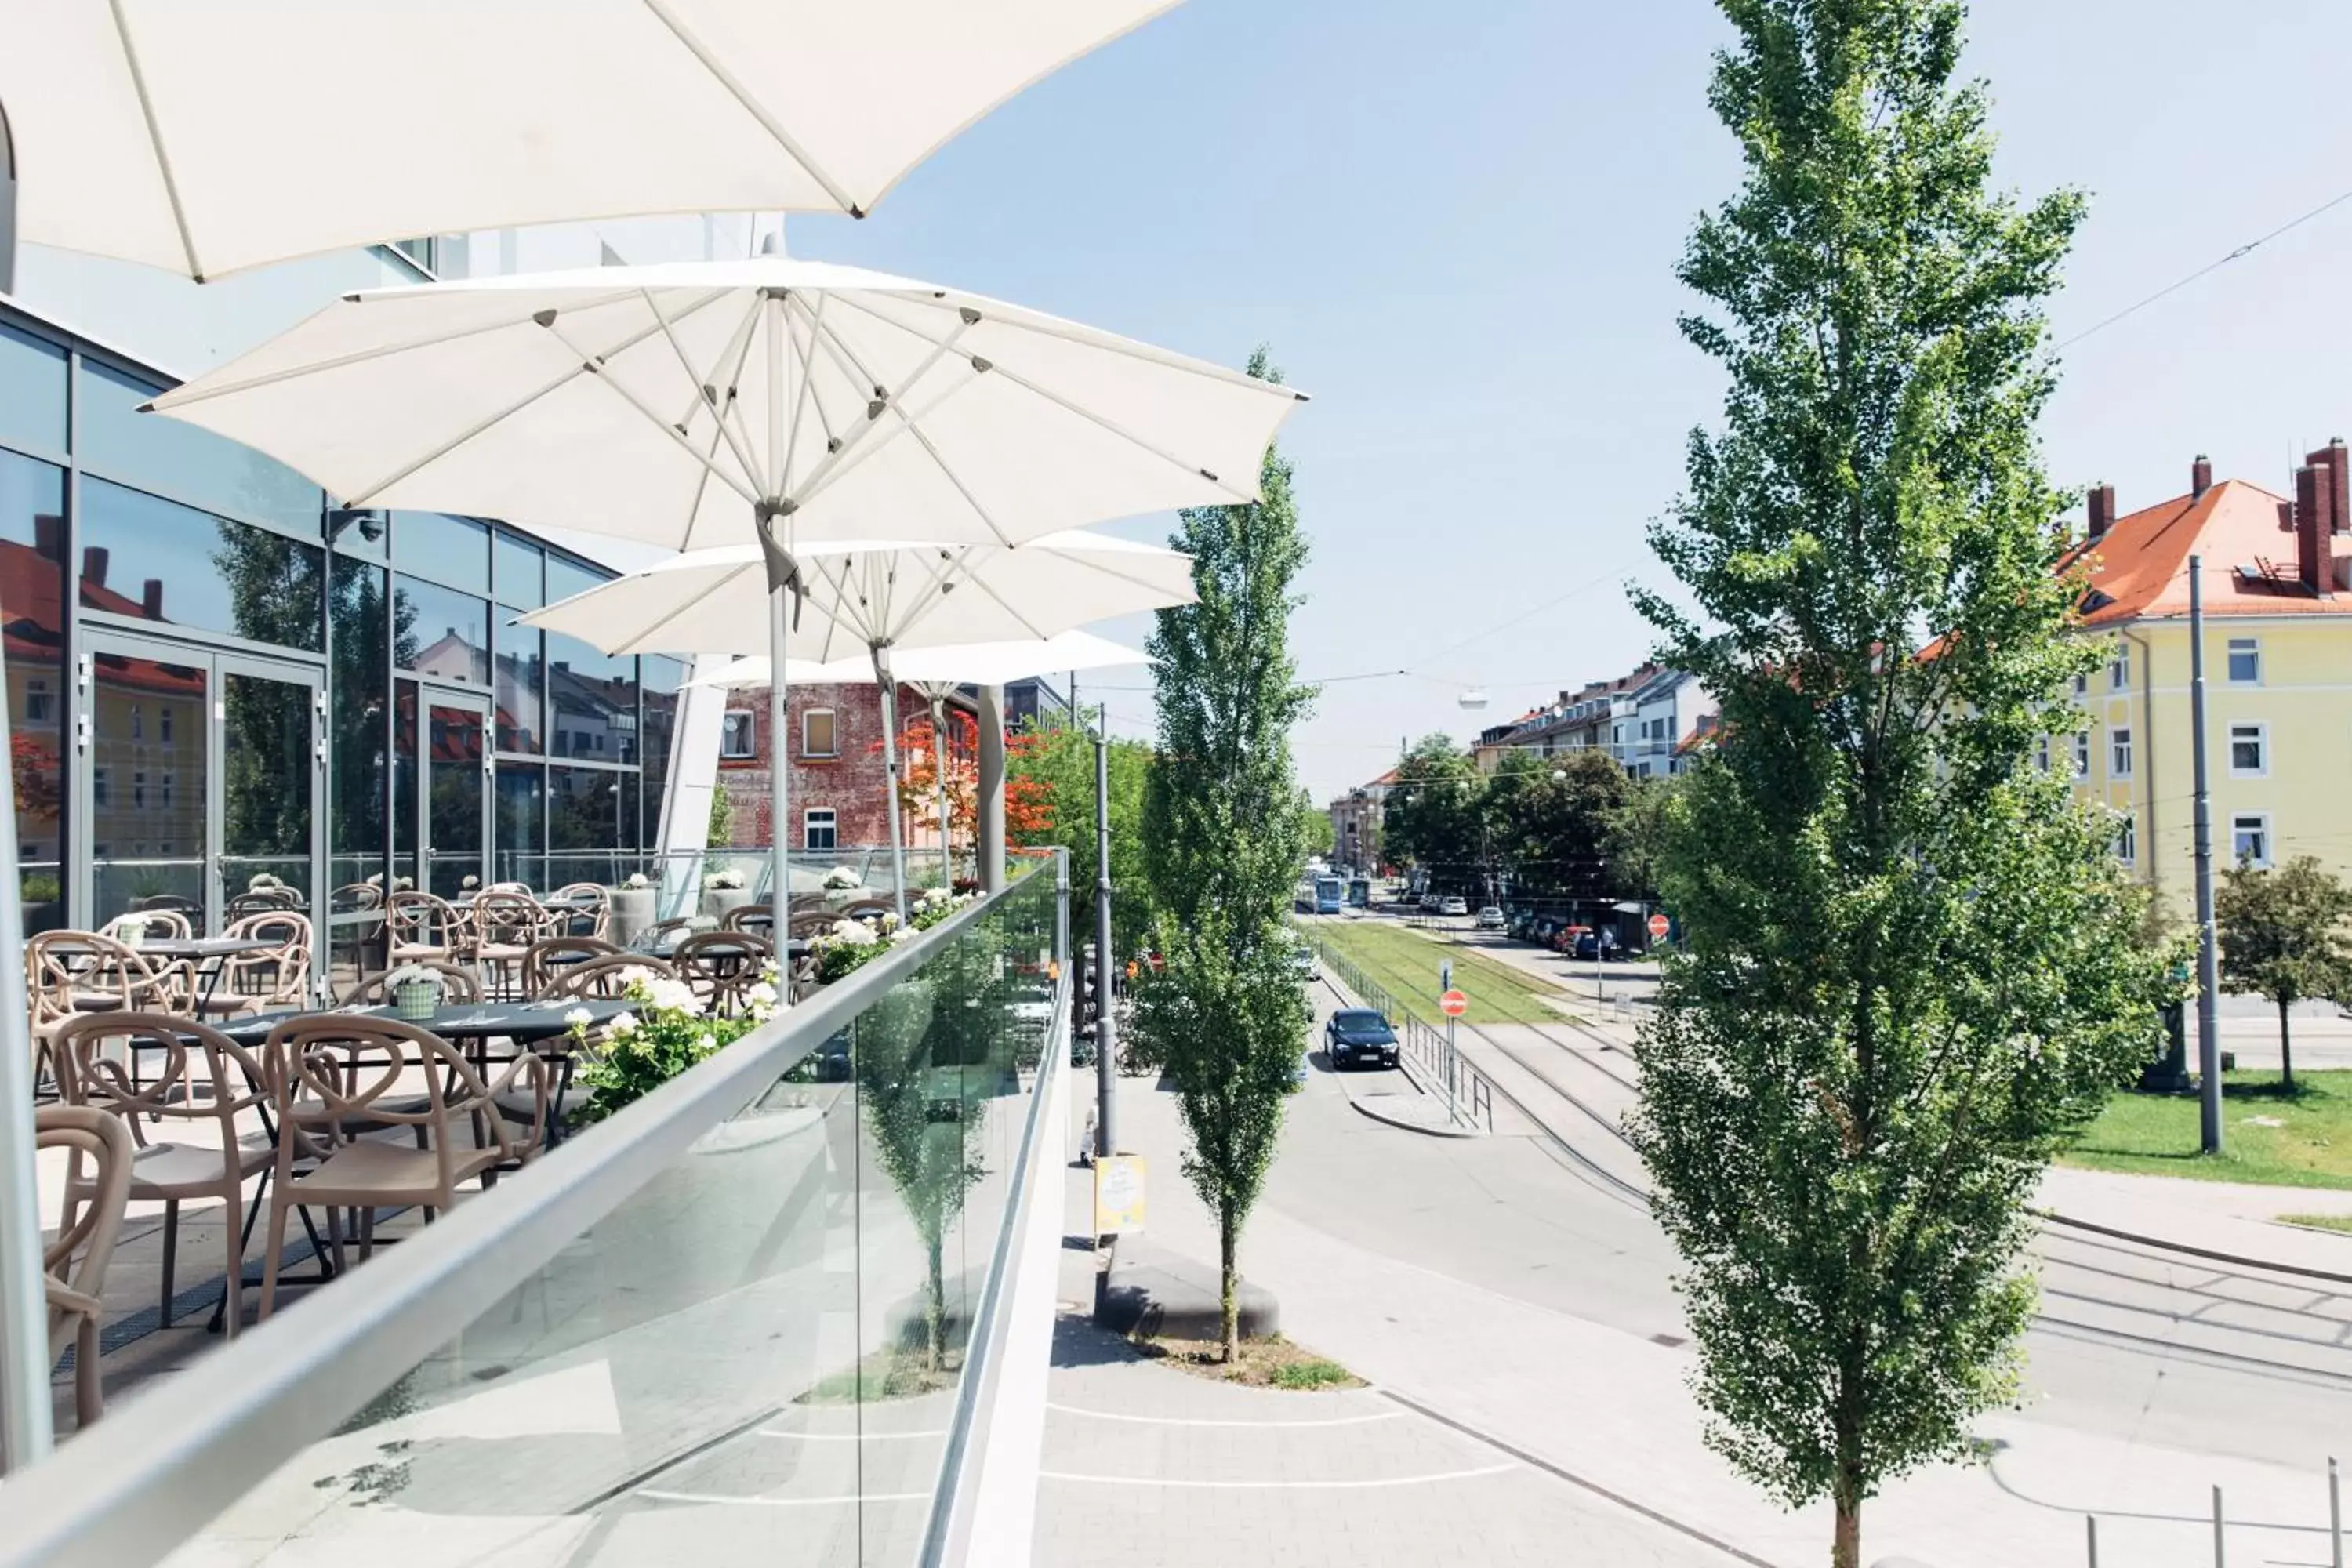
<point>215,675</point>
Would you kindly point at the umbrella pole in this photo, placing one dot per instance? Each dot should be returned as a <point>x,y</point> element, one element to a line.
<point>780,763</point>
<point>890,760</point>
<point>939,780</point>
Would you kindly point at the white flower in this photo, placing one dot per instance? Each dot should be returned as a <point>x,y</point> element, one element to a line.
<point>772,972</point>
<point>890,922</point>
<point>841,878</point>
<point>762,994</point>
<point>758,1015</point>
<point>375,880</point>
<point>623,1025</point>
<point>665,994</point>
<point>470,881</point>
<point>403,882</point>
<point>578,1017</point>
<point>636,880</point>
<point>910,934</point>
<point>707,1042</point>
<point>857,933</point>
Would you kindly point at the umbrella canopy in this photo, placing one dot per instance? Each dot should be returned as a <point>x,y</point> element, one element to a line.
<point>948,664</point>
<point>896,596</point>
<point>677,404</point>
<point>173,134</point>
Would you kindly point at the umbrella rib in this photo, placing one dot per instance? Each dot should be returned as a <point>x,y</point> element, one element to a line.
<point>1081,558</point>
<point>998,599</point>
<point>1023,381</point>
<point>155,139</point>
<point>591,364</point>
<point>709,392</point>
<point>584,367</point>
<point>180,397</point>
<point>854,449</point>
<point>638,639</point>
<point>745,335</point>
<point>1027,320</point>
<point>808,397</point>
<point>751,106</point>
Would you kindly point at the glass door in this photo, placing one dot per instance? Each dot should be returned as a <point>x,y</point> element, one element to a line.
<point>441,796</point>
<point>202,780</point>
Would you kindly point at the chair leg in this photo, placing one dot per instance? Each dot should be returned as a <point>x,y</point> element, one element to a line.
<point>230,1313</point>
<point>279,1202</point>
<point>90,1392</point>
<point>171,1254</point>
<point>364,1220</point>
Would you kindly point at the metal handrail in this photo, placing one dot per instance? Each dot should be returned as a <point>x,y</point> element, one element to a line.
<point>1421,1043</point>
<point>132,1491</point>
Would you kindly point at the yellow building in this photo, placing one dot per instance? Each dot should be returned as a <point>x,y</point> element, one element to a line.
<point>2277,582</point>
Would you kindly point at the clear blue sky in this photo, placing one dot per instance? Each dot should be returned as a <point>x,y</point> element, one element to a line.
<point>1456,226</point>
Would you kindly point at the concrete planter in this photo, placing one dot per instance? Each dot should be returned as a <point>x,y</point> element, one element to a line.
<point>632,912</point>
<point>718,901</point>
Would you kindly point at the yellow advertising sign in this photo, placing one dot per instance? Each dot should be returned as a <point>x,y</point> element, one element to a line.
<point>1118,1194</point>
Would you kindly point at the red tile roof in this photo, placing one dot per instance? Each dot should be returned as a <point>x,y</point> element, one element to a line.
<point>2140,567</point>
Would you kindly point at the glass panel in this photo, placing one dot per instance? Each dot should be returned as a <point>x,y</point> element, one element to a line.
<point>754,1360</point>
<point>405,766</point>
<point>266,812</point>
<point>565,578</point>
<point>439,633</point>
<point>32,604</point>
<point>31,391</point>
<point>522,570</point>
<point>584,815</point>
<point>453,828</point>
<point>521,683</point>
<point>360,675</point>
<point>592,699</point>
<point>452,551</point>
<point>522,810</point>
<point>147,757</point>
<point>364,532</point>
<point>661,678</point>
<point>355,950</point>
<point>151,559</point>
<point>114,438</point>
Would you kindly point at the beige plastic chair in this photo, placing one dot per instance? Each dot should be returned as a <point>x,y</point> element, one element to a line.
<point>171,1172</point>
<point>721,965</point>
<point>265,982</point>
<point>547,960</point>
<point>590,918</point>
<point>170,924</point>
<point>606,978</point>
<point>335,1080</point>
<point>458,983</point>
<point>506,927</point>
<point>77,1261</point>
<point>423,927</point>
<point>70,972</point>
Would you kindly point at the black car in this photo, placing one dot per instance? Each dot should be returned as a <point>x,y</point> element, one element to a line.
<point>1357,1037</point>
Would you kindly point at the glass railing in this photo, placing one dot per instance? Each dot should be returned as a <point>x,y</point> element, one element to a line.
<point>745,1320</point>
<point>696,881</point>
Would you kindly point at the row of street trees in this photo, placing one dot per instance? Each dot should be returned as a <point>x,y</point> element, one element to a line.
<point>1574,826</point>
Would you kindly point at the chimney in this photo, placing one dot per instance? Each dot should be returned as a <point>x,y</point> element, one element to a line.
<point>2323,474</point>
<point>2103,509</point>
<point>151,599</point>
<point>2341,512</point>
<point>50,535</point>
<point>2311,563</point>
<point>2201,476</point>
<point>93,565</point>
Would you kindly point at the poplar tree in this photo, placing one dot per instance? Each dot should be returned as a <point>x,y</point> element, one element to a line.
<point>1225,840</point>
<point>1909,970</point>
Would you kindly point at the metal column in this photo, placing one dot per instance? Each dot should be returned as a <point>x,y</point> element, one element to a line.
<point>25,1432</point>
<point>1105,1030</point>
<point>989,821</point>
<point>2209,979</point>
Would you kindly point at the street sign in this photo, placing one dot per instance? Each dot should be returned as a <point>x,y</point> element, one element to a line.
<point>1659,926</point>
<point>1454,1003</point>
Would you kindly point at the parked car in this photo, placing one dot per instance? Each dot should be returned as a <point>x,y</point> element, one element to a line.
<point>1359,1035</point>
<point>1490,917</point>
<point>1309,968</point>
<point>1564,938</point>
<point>1453,905</point>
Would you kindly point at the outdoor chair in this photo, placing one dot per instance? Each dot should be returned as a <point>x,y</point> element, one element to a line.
<point>355,898</point>
<point>546,961</point>
<point>174,1172</point>
<point>506,926</point>
<point>678,926</point>
<point>721,965</point>
<point>423,928</point>
<point>261,901</point>
<point>265,982</point>
<point>458,983</point>
<point>74,1264</point>
<point>169,924</point>
<point>593,916</point>
<point>607,977</point>
<point>334,1080</point>
<point>760,919</point>
<point>70,973</point>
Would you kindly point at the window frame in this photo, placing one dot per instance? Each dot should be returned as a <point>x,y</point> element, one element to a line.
<point>2082,754</point>
<point>2127,839</point>
<point>833,723</point>
<point>2262,738</point>
<point>2260,821</point>
<point>750,750</point>
<point>2120,752</point>
<point>809,825</point>
<point>2119,667</point>
<point>2253,648</point>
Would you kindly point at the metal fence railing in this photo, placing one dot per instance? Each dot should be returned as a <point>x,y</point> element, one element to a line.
<point>1438,1069</point>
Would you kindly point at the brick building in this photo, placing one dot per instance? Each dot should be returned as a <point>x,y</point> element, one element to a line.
<point>838,776</point>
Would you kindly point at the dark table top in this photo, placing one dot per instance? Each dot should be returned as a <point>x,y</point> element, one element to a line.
<point>465,1020</point>
<point>192,946</point>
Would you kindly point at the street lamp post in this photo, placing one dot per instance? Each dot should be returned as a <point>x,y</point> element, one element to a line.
<point>1106,1028</point>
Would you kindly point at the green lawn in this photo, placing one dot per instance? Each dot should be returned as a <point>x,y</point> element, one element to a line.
<point>2266,1137</point>
<point>2342,1221</point>
<point>1405,964</point>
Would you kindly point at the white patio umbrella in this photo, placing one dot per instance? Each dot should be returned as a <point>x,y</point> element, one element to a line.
<point>209,138</point>
<point>881,599</point>
<point>770,400</point>
<point>937,672</point>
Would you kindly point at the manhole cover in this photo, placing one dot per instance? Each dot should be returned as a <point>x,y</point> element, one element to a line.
<point>1672,1341</point>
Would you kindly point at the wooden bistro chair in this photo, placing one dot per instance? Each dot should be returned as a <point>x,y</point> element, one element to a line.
<point>74,1265</point>
<point>269,980</point>
<point>170,924</point>
<point>583,908</point>
<point>506,926</point>
<point>172,1172</point>
<point>607,977</point>
<point>70,973</point>
<point>458,985</point>
<point>546,961</point>
<point>423,929</point>
<point>341,1085</point>
<point>760,919</point>
<point>721,965</point>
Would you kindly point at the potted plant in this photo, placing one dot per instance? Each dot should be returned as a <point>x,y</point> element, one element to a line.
<point>723,891</point>
<point>632,908</point>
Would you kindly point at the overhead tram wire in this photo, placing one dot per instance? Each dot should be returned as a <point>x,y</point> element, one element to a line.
<point>2212,267</point>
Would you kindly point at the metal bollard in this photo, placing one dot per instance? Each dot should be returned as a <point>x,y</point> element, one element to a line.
<point>2091,1532</point>
<point>2335,1517</point>
<point>2219,1548</point>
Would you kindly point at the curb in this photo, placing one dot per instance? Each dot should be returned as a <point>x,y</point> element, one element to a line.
<point>2052,1217</point>
<point>1409,1126</point>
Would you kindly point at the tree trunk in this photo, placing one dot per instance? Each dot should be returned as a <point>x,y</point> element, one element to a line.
<point>935,1297</point>
<point>1229,1299</point>
<point>2286,1050</point>
<point>1845,1551</point>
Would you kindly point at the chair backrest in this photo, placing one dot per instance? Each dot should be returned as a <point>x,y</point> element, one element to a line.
<point>757,919</point>
<point>63,968</point>
<point>76,1260</point>
<point>282,974</point>
<point>586,909</point>
<point>355,898</point>
<point>167,923</point>
<point>458,984</point>
<point>87,1075</point>
<point>544,961</point>
<point>721,965</point>
<point>607,977</point>
<point>334,1076</point>
<point>510,918</point>
<point>417,916</point>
